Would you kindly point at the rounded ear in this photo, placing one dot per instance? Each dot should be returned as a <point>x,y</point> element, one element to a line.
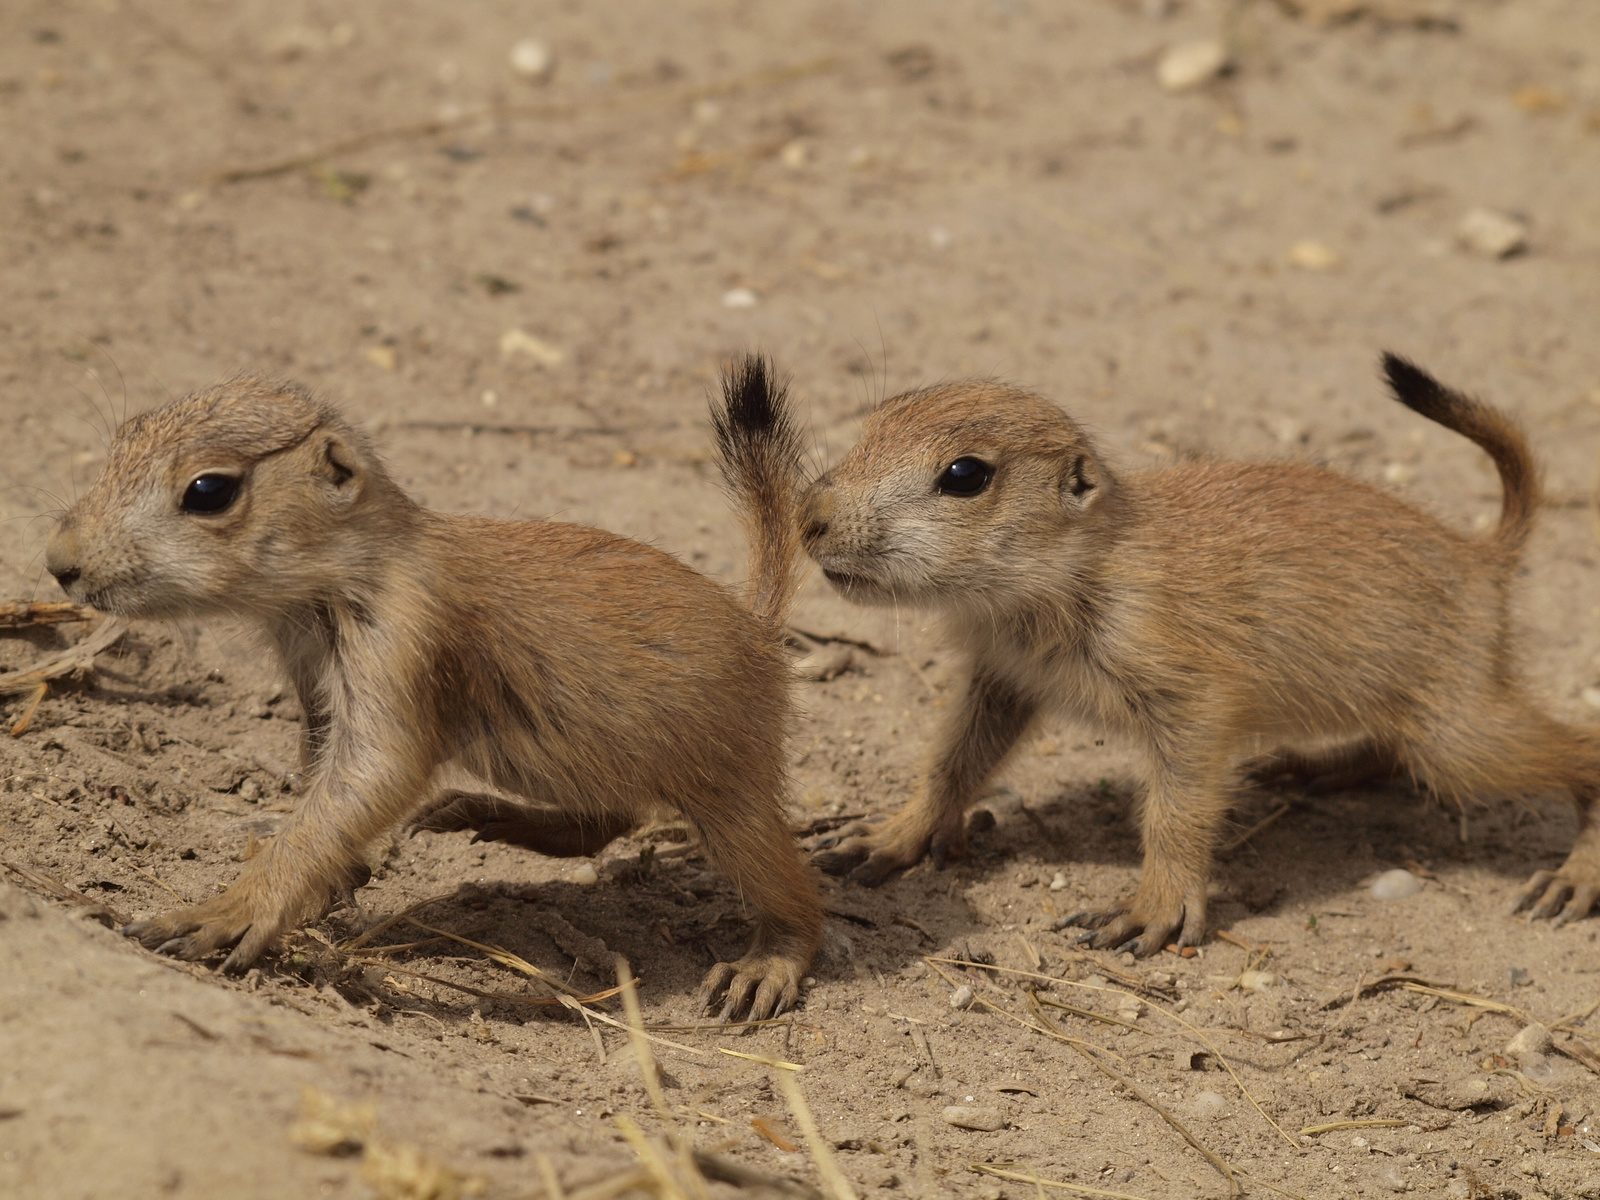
<point>339,466</point>
<point>1081,483</point>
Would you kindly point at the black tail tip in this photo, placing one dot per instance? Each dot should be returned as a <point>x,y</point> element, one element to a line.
<point>752,396</point>
<point>1411,385</point>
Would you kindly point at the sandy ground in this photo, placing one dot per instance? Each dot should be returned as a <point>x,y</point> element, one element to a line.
<point>904,192</point>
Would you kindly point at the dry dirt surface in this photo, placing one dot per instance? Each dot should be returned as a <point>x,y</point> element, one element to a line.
<point>523,286</point>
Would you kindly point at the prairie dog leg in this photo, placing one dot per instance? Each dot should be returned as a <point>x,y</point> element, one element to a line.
<point>992,716</point>
<point>1368,761</point>
<point>750,840</point>
<point>1180,818</point>
<point>356,796</point>
<point>1525,754</point>
<point>550,831</point>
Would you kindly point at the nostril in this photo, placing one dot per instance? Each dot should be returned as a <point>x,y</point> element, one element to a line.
<point>67,576</point>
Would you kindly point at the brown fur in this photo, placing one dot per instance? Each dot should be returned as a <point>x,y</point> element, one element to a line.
<point>590,676</point>
<point>1204,611</point>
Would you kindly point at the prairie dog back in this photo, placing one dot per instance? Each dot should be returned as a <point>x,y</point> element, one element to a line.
<point>1204,611</point>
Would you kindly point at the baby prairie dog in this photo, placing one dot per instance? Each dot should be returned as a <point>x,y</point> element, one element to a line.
<point>595,678</point>
<point>1202,611</point>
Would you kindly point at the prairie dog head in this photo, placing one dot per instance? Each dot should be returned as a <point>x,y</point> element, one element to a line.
<point>950,495</point>
<point>242,497</point>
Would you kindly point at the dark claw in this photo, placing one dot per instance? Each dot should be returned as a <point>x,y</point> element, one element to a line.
<point>1086,937</point>
<point>1131,946</point>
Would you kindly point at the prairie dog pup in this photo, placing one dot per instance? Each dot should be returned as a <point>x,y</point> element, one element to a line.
<point>1203,611</point>
<point>596,677</point>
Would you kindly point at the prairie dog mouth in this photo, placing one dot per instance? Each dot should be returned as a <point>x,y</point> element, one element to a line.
<point>843,579</point>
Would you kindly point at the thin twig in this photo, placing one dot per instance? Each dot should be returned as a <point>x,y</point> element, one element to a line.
<point>74,662</point>
<point>1117,1077</point>
<point>1171,1016</point>
<point>21,614</point>
<point>767,77</point>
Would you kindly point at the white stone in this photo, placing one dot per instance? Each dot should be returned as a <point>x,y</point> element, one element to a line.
<point>739,297</point>
<point>1398,884</point>
<point>1258,981</point>
<point>585,874</point>
<point>1059,883</point>
<point>1189,64</point>
<point>533,60</point>
<point>961,997</point>
<point>1492,234</point>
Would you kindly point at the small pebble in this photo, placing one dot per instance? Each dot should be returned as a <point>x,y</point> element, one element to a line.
<point>985,1120</point>
<point>1398,884</point>
<point>1209,1104</point>
<point>1393,1178</point>
<point>1492,234</point>
<point>739,297</point>
<point>1532,1039</point>
<point>1059,883</point>
<point>962,997</point>
<point>533,60</point>
<point>518,343</point>
<point>1258,981</point>
<point>1312,256</point>
<point>1518,977</point>
<point>1189,64</point>
<point>585,874</point>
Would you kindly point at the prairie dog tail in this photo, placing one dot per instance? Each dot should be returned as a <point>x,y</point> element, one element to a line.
<point>1496,433</point>
<point>759,449</point>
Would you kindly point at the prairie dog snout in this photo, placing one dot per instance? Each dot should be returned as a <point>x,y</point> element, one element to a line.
<point>1199,611</point>
<point>595,678</point>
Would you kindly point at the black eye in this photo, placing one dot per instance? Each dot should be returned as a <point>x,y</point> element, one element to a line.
<point>965,477</point>
<point>210,493</point>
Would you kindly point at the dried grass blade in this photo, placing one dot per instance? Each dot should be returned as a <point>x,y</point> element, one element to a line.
<point>821,1153</point>
<point>1466,998</point>
<point>667,1186</point>
<point>762,1059</point>
<point>388,923</point>
<point>505,958</point>
<point>1374,1123</point>
<point>635,1179</point>
<point>1054,1034</point>
<point>1078,1188</point>
<point>552,1182</point>
<point>681,1142</point>
<point>575,1004</point>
